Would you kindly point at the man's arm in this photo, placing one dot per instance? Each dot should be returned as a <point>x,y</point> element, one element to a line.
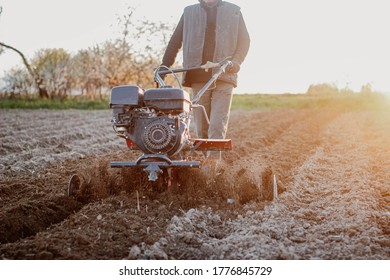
<point>174,45</point>
<point>242,44</point>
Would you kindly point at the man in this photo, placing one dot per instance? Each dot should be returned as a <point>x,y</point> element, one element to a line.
<point>213,30</point>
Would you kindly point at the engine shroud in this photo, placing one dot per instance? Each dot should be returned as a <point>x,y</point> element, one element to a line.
<point>156,120</point>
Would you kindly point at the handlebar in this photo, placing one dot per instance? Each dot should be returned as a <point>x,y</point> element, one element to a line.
<point>222,67</point>
<point>208,65</point>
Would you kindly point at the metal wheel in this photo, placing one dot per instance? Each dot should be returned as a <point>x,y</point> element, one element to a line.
<point>74,185</point>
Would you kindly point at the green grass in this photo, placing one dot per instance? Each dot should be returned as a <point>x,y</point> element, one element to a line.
<point>54,104</point>
<point>301,101</point>
<point>245,102</point>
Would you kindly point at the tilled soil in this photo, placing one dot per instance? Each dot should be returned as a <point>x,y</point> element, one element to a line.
<point>331,167</point>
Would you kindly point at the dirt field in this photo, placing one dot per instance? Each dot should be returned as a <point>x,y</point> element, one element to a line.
<point>332,169</point>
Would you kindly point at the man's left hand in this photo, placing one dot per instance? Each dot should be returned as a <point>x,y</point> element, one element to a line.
<point>234,67</point>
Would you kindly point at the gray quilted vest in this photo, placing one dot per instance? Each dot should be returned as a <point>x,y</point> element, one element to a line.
<point>195,20</point>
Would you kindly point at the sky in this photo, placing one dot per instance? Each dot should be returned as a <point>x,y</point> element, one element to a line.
<point>293,43</point>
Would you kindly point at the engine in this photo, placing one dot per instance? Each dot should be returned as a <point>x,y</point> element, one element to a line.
<point>155,121</point>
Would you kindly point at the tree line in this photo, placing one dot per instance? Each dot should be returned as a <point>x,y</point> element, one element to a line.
<point>57,73</point>
<point>331,88</point>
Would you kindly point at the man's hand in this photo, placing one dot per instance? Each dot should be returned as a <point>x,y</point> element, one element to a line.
<point>162,76</point>
<point>233,67</point>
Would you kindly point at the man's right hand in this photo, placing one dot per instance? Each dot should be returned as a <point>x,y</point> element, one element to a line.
<point>162,76</point>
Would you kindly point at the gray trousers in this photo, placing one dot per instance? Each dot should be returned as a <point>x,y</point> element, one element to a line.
<point>217,102</point>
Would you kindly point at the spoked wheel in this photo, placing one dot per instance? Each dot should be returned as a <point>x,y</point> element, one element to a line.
<point>74,185</point>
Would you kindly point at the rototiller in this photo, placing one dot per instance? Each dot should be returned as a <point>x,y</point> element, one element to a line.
<point>156,121</point>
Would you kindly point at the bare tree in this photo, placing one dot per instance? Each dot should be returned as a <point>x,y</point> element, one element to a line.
<point>127,60</point>
<point>38,81</point>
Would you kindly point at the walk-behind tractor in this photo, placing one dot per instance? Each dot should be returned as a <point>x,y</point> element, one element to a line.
<point>156,121</point>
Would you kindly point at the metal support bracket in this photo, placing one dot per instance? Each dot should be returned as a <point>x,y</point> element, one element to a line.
<point>154,164</point>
